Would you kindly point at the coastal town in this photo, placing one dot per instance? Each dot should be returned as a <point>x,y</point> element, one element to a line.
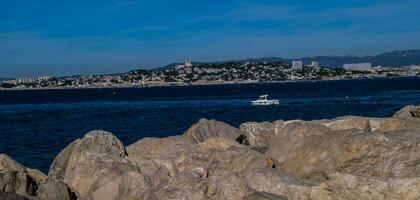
<point>221,73</point>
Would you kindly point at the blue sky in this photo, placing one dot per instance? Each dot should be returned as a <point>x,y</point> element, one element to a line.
<point>91,37</point>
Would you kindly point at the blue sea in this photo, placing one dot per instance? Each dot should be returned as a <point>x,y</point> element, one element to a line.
<point>35,125</point>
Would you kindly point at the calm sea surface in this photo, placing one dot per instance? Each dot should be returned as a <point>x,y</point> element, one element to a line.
<point>36,125</point>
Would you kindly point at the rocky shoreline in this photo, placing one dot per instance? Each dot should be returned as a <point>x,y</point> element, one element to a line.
<point>343,158</point>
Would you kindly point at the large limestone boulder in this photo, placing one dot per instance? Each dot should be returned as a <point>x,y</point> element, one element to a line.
<point>183,186</point>
<point>204,170</point>
<point>226,185</point>
<point>37,175</point>
<point>398,123</point>
<point>159,157</point>
<point>407,118</point>
<point>351,187</point>
<point>212,169</point>
<point>291,133</point>
<point>29,182</point>
<point>51,190</point>
<point>408,112</point>
<point>348,122</point>
<point>275,182</point>
<point>221,144</point>
<point>15,178</point>
<point>225,154</point>
<point>338,186</point>
<point>218,185</point>
<point>260,134</point>
<point>239,159</point>
<point>97,167</point>
<point>205,129</point>
<point>375,154</point>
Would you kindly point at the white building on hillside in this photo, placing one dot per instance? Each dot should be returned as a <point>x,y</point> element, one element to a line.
<point>188,64</point>
<point>314,64</point>
<point>297,65</point>
<point>358,67</point>
<point>25,80</point>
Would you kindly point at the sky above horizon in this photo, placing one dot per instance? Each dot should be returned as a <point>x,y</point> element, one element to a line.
<point>56,38</point>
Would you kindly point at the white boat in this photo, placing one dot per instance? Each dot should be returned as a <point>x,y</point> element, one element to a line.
<point>263,100</point>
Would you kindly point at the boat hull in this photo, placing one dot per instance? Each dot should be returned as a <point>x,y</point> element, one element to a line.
<point>265,103</point>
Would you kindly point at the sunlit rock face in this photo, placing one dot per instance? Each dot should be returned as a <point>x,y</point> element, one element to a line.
<point>18,182</point>
<point>97,167</point>
<point>347,157</point>
<point>15,178</point>
<point>205,129</point>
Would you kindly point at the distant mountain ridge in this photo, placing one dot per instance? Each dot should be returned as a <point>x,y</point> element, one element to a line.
<point>393,59</point>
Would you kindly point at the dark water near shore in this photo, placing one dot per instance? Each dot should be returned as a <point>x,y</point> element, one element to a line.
<point>36,125</point>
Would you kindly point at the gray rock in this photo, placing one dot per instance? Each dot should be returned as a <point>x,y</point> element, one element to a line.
<point>338,186</point>
<point>15,178</point>
<point>97,167</point>
<point>221,144</point>
<point>398,124</point>
<point>205,129</point>
<point>51,190</point>
<point>408,112</point>
<point>30,182</point>
<point>351,187</point>
<point>275,182</point>
<point>392,154</point>
<point>219,185</point>
<point>182,186</point>
<point>239,159</point>
<point>159,157</point>
<point>289,134</point>
<point>407,118</point>
<point>260,134</point>
<point>348,122</point>
<point>205,170</point>
<point>57,169</point>
<point>226,185</point>
<point>37,175</point>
